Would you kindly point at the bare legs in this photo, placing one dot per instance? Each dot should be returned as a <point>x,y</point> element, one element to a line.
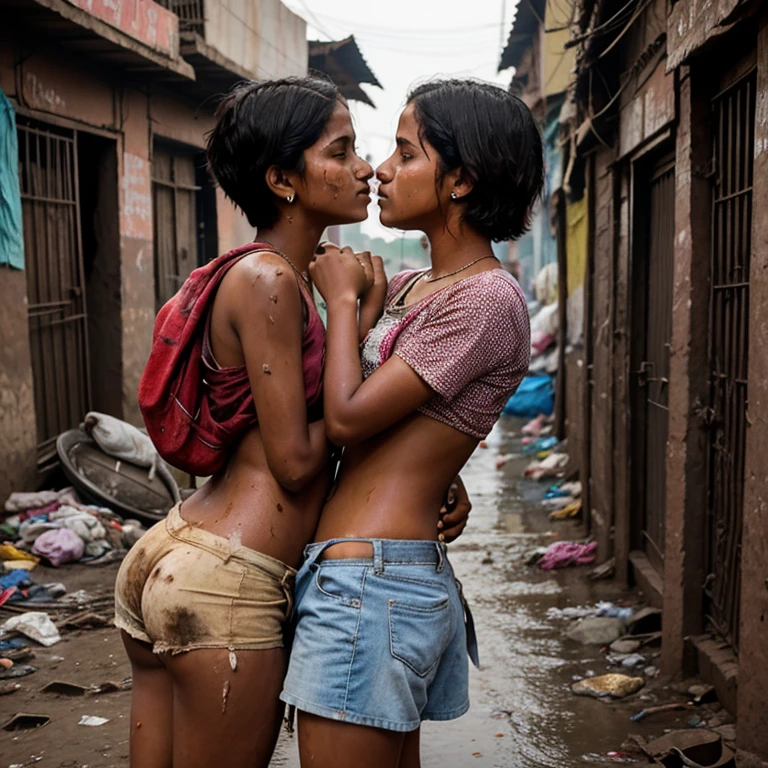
<point>327,743</point>
<point>195,710</point>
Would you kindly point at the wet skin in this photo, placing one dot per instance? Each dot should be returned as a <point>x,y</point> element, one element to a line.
<point>397,462</point>
<point>270,494</point>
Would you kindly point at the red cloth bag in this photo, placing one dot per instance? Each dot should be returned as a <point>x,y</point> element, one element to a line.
<point>172,395</point>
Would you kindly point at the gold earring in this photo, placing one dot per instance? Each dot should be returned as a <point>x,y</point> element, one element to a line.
<point>290,198</point>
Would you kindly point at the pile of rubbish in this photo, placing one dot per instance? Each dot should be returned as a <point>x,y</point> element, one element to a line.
<point>58,528</point>
<point>39,614</point>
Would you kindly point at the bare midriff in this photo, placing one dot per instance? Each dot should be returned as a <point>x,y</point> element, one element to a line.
<point>393,485</point>
<point>246,504</point>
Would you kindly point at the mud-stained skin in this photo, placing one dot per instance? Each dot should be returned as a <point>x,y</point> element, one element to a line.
<point>335,184</point>
<point>183,627</point>
<point>267,370</point>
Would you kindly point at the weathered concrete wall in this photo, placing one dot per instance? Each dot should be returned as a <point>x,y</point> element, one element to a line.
<point>752,724</point>
<point>688,380</point>
<point>601,433</point>
<point>261,35</point>
<point>692,23</point>
<point>136,250</point>
<point>18,433</point>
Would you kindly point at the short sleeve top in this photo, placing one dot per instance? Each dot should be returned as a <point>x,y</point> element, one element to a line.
<point>470,342</point>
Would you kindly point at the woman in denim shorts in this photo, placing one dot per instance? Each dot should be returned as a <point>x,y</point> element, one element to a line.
<point>381,640</point>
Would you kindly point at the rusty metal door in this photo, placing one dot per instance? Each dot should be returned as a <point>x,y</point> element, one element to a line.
<point>174,195</point>
<point>733,121</point>
<point>55,284</point>
<point>654,272</point>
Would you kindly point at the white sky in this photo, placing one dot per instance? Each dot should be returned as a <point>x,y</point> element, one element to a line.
<point>404,42</point>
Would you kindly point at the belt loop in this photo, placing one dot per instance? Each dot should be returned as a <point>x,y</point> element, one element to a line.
<point>378,556</point>
<point>440,556</point>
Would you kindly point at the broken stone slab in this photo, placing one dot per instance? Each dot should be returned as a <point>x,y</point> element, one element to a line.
<point>625,646</point>
<point>614,685</point>
<point>645,621</point>
<point>702,693</point>
<point>596,631</point>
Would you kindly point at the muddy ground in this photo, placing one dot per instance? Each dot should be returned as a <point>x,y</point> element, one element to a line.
<point>523,713</point>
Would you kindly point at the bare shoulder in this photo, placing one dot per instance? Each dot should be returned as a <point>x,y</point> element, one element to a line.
<point>261,283</point>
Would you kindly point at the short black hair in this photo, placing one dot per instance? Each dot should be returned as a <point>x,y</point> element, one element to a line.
<point>492,136</point>
<point>260,124</point>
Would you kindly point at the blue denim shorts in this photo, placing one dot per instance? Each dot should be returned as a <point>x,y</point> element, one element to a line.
<point>379,641</point>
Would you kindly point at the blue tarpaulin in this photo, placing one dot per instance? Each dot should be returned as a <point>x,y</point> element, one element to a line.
<point>535,395</point>
<point>11,231</point>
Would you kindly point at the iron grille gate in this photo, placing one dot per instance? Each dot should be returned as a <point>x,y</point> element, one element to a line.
<point>733,123</point>
<point>653,374</point>
<point>55,284</point>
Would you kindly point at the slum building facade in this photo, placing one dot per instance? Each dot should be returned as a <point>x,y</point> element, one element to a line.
<point>662,240</point>
<point>109,104</point>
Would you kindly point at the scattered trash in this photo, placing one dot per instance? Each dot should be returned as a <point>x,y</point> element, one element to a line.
<point>549,467</point>
<point>92,720</point>
<point>571,510</point>
<point>535,426</point>
<point>64,688</point>
<point>644,621</point>
<point>59,546</point>
<point>11,554</point>
<point>614,685</point>
<point>564,553</point>
<point>35,625</point>
<point>651,671</point>
<point>596,631</point>
<point>697,748</point>
<point>625,646</point>
<point>534,396</point>
<point>702,693</point>
<point>613,611</point>
<point>24,721</point>
<point>696,722</point>
<point>6,663</point>
<point>628,661</point>
<point>643,713</point>
<point>8,688</point>
<point>604,570</point>
<point>571,612</point>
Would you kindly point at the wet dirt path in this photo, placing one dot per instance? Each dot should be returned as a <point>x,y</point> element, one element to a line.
<point>523,714</point>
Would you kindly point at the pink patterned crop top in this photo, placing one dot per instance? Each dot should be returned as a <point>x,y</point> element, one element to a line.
<point>469,341</point>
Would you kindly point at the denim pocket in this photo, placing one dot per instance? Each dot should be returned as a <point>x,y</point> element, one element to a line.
<point>420,631</point>
<point>341,583</point>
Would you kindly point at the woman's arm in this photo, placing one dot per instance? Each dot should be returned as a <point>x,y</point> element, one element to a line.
<point>267,317</point>
<point>354,411</point>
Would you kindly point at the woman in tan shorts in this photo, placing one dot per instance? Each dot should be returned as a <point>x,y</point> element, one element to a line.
<point>203,599</point>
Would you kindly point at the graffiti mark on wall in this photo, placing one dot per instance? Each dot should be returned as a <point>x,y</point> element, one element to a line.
<point>41,96</point>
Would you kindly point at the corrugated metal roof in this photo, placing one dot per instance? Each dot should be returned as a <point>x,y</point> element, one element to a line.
<point>343,62</point>
<point>530,14</point>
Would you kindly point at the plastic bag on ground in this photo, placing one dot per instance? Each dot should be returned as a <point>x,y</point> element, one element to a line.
<point>35,625</point>
<point>60,546</point>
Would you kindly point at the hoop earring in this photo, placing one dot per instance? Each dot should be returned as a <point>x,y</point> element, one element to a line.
<point>290,198</point>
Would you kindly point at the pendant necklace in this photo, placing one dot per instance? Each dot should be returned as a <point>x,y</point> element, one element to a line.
<point>431,279</point>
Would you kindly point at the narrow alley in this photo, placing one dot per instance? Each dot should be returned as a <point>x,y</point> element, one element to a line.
<point>523,713</point>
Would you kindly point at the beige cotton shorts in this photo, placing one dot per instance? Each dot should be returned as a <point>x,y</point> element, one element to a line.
<point>181,588</point>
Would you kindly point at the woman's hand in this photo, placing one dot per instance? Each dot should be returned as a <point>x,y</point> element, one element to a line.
<point>454,513</point>
<point>339,273</point>
<point>372,301</point>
